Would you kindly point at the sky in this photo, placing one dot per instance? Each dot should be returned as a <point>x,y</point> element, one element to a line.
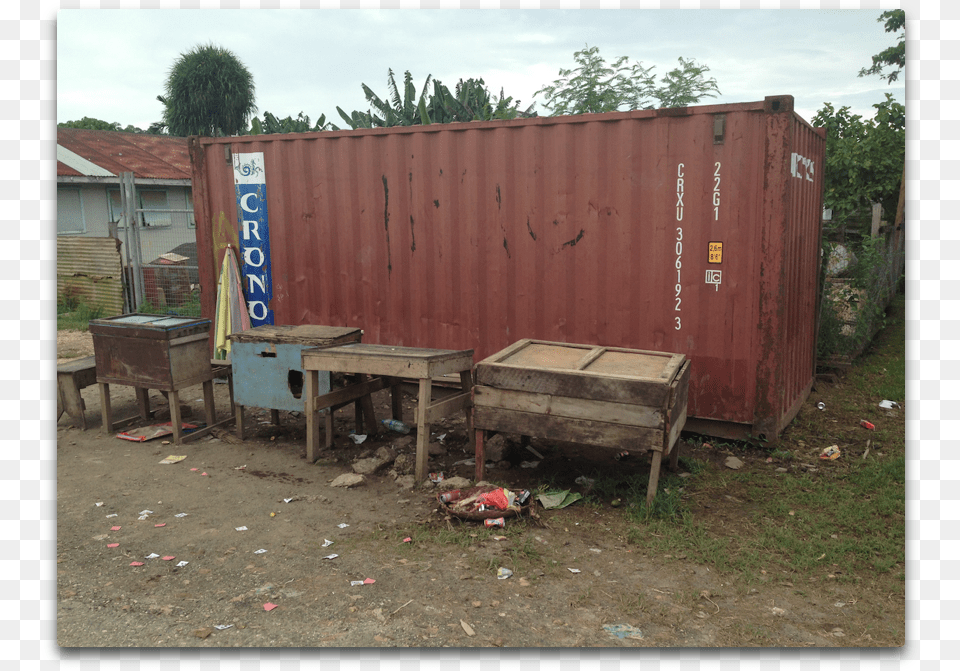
<point>112,64</point>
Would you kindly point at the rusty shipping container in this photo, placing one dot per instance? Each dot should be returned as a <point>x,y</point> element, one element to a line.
<point>692,230</point>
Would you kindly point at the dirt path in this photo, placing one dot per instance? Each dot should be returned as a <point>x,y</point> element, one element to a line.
<point>438,589</point>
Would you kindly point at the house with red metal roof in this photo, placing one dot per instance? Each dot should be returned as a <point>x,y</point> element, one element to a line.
<point>89,203</point>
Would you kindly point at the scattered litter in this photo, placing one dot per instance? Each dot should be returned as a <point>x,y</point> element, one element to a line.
<point>840,604</point>
<point>467,628</point>
<point>111,515</point>
<point>159,525</point>
<point>407,539</point>
<point>585,481</point>
<point>779,612</point>
<point>354,583</point>
<point>369,581</point>
<point>168,558</point>
<point>194,469</point>
<point>832,452</point>
<point>529,464</point>
<point>465,462</point>
<point>733,463</point>
<point>269,606</point>
<point>221,627</point>
<point>358,438</point>
<point>288,500</point>
<point>821,405</point>
<point>552,500</point>
<point>499,538</point>
<point>503,573</point>
<point>182,563</point>
<point>180,515</point>
<point>437,477</point>
<point>331,556</point>
<point>240,468</point>
<point>136,563</point>
<point>621,455</point>
<point>241,529</point>
<point>533,452</point>
<point>343,525</point>
<point>113,545</point>
<point>204,473</point>
<point>494,522</point>
<point>623,631</point>
<point>114,528</point>
<point>395,425</point>
<point>326,543</point>
<point>145,512</point>
<point>98,504</point>
<point>889,405</point>
<point>146,433</point>
<point>142,517</point>
<point>173,459</point>
<point>441,437</point>
<point>259,552</point>
<point>574,570</point>
<point>272,514</point>
<point>597,550</point>
<point>867,425</point>
<point>152,555</point>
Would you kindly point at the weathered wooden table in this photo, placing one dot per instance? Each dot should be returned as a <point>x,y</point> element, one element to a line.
<point>161,352</point>
<point>266,365</point>
<point>627,399</point>
<point>389,366</point>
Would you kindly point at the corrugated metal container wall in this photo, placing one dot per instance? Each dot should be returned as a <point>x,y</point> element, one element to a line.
<point>691,230</point>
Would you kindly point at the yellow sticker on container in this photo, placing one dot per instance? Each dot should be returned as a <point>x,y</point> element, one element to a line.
<point>714,252</point>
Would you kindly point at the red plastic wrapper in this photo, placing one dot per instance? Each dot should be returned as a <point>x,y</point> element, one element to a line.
<point>867,425</point>
<point>496,499</point>
<point>494,522</point>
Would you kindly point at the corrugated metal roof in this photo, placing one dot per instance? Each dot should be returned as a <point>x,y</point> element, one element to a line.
<point>89,269</point>
<point>146,156</point>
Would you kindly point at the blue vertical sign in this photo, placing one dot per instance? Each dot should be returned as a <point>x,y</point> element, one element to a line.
<point>251,183</point>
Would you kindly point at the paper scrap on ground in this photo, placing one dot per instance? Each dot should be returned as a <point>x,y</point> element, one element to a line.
<point>622,631</point>
<point>326,543</point>
<point>221,627</point>
<point>156,431</point>
<point>241,528</point>
<point>503,573</point>
<point>136,563</point>
<point>343,525</point>
<point>354,583</point>
<point>182,563</point>
<point>369,581</point>
<point>241,468</point>
<point>111,515</point>
<point>331,556</point>
<point>168,558</point>
<point>269,606</point>
<point>259,552</point>
<point>889,405</point>
<point>574,570</point>
<point>152,555</point>
<point>114,528</point>
<point>407,539</point>
<point>145,512</point>
<point>113,545</point>
<point>98,504</point>
<point>180,515</point>
<point>173,459</point>
<point>358,438</point>
<point>160,525</point>
<point>288,500</point>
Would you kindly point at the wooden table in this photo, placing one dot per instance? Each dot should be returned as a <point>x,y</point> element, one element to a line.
<point>626,399</point>
<point>164,352</point>
<point>381,367</point>
<point>266,365</point>
<point>73,376</point>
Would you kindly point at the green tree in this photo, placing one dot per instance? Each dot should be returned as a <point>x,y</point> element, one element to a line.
<point>89,123</point>
<point>895,56</point>
<point>595,86</point>
<point>864,161</point>
<point>404,108</point>
<point>271,124</point>
<point>471,101</point>
<point>209,91</point>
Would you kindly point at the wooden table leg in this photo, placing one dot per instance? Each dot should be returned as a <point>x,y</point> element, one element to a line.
<point>466,383</point>
<point>396,402</point>
<point>143,402</point>
<point>176,421</point>
<point>105,408</point>
<point>370,416</point>
<point>423,429</point>
<point>311,382</point>
<point>208,403</point>
<point>239,422</point>
<point>654,475</point>
<point>480,457</point>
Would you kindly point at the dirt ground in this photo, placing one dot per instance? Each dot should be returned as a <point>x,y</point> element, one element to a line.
<point>251,521</point>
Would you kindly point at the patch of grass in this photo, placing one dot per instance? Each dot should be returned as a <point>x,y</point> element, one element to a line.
<point>74,314</point>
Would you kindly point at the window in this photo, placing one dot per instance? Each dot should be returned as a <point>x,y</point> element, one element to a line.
<point>155,203</point>
<point>70,212</point>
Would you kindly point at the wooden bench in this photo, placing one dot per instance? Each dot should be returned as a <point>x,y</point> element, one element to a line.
<point>73,376</point>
